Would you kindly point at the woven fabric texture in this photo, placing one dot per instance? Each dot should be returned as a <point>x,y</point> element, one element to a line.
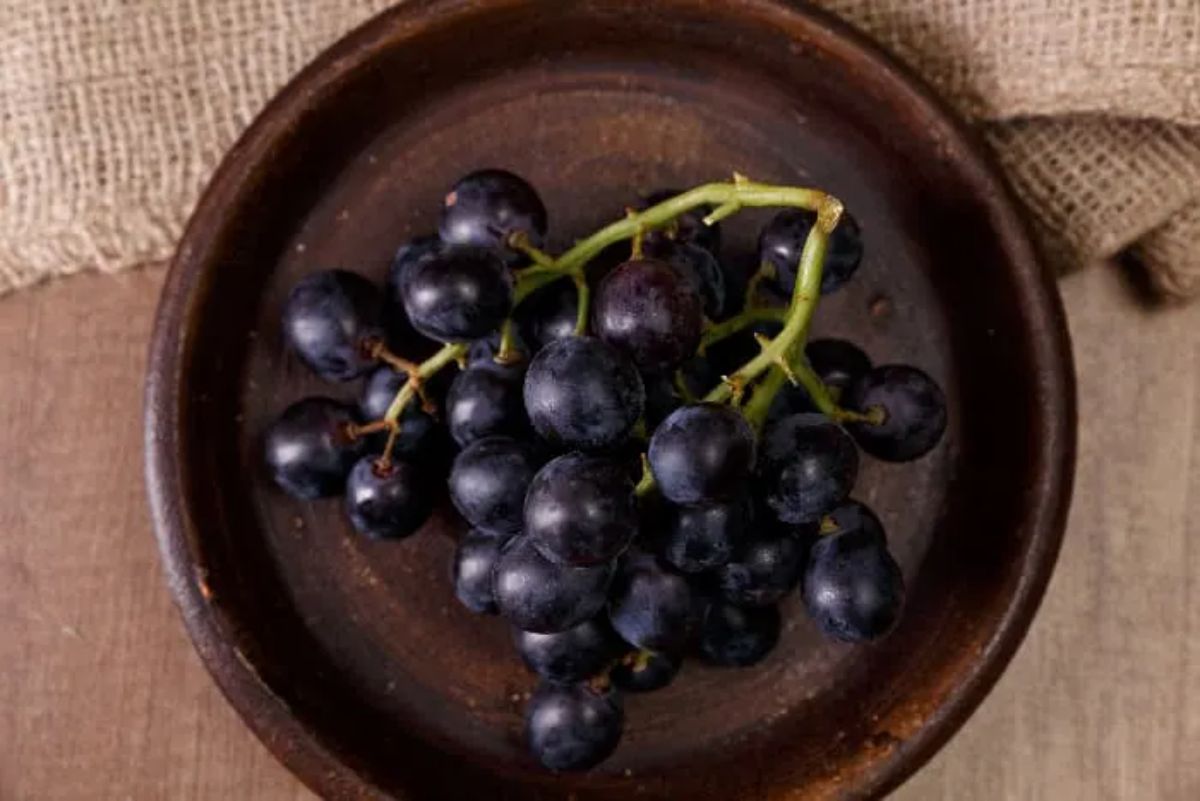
<point>113,113</point>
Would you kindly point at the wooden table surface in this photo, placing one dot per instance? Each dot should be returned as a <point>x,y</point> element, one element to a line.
<point>101,696</point>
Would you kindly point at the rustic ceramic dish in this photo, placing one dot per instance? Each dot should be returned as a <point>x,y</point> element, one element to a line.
<point>351,660</point>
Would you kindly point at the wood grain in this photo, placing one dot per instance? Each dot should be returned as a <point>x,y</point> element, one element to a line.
<point>101,696</point>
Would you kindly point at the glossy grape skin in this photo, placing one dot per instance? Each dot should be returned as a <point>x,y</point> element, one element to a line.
<point>569,656</point>
<point>700,266</point>
<point>763,571</point>
<point>458,295</point>
<point>580,509</point>
<point>702,453</point>
<point>649,311</point>
<point>419,434</point>
<point>705,536</point>
<point>914,412</point>
<point>648,606</point>
<point>583,394</point>
<point>486,349</point>
<point>474,561</point>
<point>387,503</point>
<point>782,241</point>
<point>838,363</point>
<point>853,588</point>
<point>645,671</point>
<point>535,594</point>
<point>808,465</point>
<point>486,400</point>
<point>733,636</point>
<point>488,482</point>
<point>309,450</point>
<point>573,727</point>
<point>688,227</point>
<point>413,252</point>
<point>330,320</point>
<point>549,314</point>
<point>483,208</point>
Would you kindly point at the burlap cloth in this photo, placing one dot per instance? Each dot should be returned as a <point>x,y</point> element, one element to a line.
<point>113,114</point>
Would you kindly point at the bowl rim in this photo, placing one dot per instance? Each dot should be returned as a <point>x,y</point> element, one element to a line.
<point>211,629</point>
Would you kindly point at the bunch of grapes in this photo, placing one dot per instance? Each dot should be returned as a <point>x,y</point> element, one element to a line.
<point>646,466</point>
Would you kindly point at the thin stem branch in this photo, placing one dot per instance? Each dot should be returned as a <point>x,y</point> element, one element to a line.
<point>756,409</point>
<point>745,319</point>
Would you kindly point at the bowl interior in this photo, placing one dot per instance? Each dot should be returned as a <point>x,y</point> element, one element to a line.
<point>385,683</point>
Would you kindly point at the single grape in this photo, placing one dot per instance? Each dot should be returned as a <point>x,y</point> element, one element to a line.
<point>458,295</point>
<point>763,572</point>
<point>387,502</point>
<point>331,319</point>
<point>573,727</point>
<point>853,588</point>
<point>732,636</point>
<point>564,657</point>
<point>650,311</point>
<point>486,400</point>
<point>645,671</point>
<point>702,453</point>
<point>705,536</point>
<point>580,509</point>
<point>808,465</point>
<point>550,313</point>
<point>700,267</point>
<point>415,251</point>
<point>648,606</point>
<point>487,206</point>
<point>488,482</point>
<point>419,432</point>
<point>838,363</point>
<point>914,412</point>
<point>687,227</point>
<point>581,393</point>
<point>535,594</point>
<point>474,560</point>
<point>309,448</point>
<point>782,242</point>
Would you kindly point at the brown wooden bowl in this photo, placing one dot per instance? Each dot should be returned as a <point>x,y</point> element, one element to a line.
<point>351,660</point>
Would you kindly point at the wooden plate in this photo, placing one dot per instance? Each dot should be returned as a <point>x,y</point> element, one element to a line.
<point>351,660</point>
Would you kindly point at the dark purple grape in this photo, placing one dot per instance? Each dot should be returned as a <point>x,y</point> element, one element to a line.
<point>309,448</point>
<point>331,319</point>
<point>564,657</point>
<point>581,393</point>
<point>645,671</point>
<point>419,433</point>
<point>807,467</point>
<point>580,509</point>
<point>782,242</point>
<point>705,536</point>
<point>914,412</point>
<point>458,295</point>
<point>702,453</point>
<point>699,266</point>
<point>732,636</point>
<point>474,561</point>
<point>688,227</point>
<point>535,594</point>
<point>573,727</point>
<point>853,588</point>
<point>649,311</point>
<point>838,363</point>
<point>387,503</point>
<point>763,572</point>
<point>486,400</point>
<point>648,606</point>
<point>853,515</point>
<point>487,206</point>
<point>550,313</point>
<point>415,251</point>
<point>488,482</point>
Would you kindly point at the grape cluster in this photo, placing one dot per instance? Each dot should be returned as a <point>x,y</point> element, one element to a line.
<point>624,503</point>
